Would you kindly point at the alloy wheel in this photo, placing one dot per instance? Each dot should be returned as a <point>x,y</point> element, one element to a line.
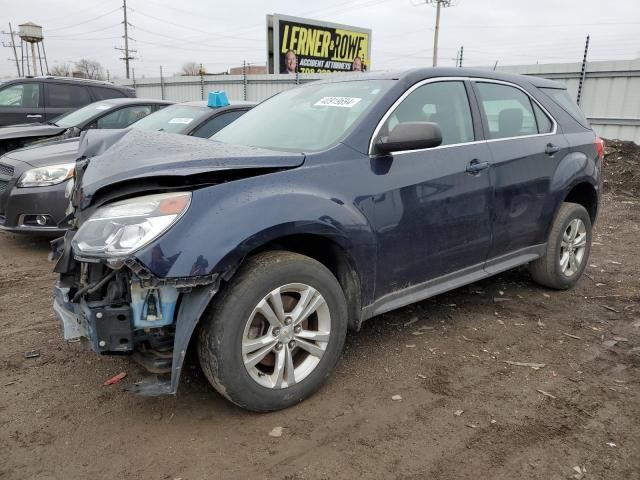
<point>286,335</point>
<point>573,247</point>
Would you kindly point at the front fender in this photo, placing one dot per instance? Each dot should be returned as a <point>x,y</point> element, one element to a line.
<point>227,222</point>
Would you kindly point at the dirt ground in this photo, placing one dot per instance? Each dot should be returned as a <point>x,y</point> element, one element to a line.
<point>465,412</point>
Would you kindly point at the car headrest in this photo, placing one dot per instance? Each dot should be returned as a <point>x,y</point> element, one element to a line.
<point>510,122</point>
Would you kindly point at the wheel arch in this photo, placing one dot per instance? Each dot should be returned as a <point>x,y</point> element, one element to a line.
<point>329,249</point>
<point>585,194</point>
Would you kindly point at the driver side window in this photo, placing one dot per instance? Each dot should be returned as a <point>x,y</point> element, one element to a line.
<point>444,103</point>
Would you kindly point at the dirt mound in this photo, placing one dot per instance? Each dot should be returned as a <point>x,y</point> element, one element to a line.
<point>622,167</point>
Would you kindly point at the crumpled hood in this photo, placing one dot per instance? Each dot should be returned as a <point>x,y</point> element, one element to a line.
<point>123,155</point>
<point>53,153</point>
<point>29,130</point>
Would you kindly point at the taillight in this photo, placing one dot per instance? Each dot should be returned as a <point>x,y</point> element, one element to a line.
<point>600,148</point>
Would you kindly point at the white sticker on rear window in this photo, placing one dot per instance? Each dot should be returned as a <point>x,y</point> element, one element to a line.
<point>184,121</point>
<point>103,107</point>
<point>345,102</point>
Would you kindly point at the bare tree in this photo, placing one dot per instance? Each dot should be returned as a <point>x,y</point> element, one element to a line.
<point>90,69</point>
<point>192,68</point>
<point>61,70</point>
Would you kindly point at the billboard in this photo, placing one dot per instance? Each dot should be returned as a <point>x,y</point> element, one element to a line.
<point>309,46</point>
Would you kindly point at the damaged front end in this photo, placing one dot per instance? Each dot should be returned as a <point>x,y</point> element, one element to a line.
<point>107,297</point>
<point>116,287</point>
<point>120,308</point>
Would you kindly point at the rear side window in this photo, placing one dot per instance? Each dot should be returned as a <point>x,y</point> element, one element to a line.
<point>544,123</point>
<point>124,117</point>
<point>508,110</point>
<point>562,98</point>
<point>106,93</point>
<point>215,124</point>
<point>61,95</point>
<point>444,103</point>
<point>25,95</point>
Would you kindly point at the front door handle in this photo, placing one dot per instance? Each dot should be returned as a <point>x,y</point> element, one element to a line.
<point>476,167</point>
<point>34,116</point>
<point>550,149</point>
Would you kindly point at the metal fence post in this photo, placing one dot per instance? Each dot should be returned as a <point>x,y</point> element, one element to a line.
<point>161,84</point>
<point>583,71</point>
<point>244,79</point>
<point>201,82</point>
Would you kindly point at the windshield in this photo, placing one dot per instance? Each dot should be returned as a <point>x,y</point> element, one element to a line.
<point>173,119</point>
<point>310,118</point>
<point>75,118</point>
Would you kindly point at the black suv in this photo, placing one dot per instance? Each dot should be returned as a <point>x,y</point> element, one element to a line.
<point>41,99</point>
<point>324,206</point>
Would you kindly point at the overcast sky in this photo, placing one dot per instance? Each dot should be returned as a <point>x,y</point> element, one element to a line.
<point>222,33</point>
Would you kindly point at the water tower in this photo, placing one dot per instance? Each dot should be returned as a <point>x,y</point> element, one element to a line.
<point>31,34</point>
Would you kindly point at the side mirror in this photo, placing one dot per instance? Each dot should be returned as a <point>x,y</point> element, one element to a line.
<point>410,136</point>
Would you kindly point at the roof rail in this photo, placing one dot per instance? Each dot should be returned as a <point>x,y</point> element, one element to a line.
<point>80,79</point>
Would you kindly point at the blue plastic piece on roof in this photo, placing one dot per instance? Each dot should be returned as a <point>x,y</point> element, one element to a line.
<point>218,99</point>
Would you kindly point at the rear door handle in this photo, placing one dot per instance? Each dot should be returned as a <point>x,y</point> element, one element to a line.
<point>475,166</point>
<point>34,116</point>
<point>550,149</point>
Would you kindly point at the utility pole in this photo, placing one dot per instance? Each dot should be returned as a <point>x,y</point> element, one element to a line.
<point>439,4</point>
<point>461,54</point>
<point>583,71</point>
<point>127,53</point>
<point>13,45</point>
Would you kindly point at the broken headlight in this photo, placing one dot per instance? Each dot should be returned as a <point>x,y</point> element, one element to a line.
<point>120,228</point>
<point>45,176</point>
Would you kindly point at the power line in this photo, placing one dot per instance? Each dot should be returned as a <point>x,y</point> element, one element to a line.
<point>84,22</point>
<point>186,40</point>
<point>79,36</point>
<point>83,39</point>
<point>189,27</point>
<point>75,12</point>
<point>188,49</point>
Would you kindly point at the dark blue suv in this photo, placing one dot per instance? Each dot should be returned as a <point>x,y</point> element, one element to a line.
<point>322,207</point>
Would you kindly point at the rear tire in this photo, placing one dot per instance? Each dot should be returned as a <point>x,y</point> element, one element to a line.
<point>257,347</point>
<point>567,251</point>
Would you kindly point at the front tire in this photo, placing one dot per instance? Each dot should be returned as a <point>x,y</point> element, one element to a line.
<point>275,332</point>
<point>567,251</point>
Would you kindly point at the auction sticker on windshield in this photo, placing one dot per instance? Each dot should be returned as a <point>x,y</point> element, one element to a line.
<point>184,121</point>
<point>344,102</point>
